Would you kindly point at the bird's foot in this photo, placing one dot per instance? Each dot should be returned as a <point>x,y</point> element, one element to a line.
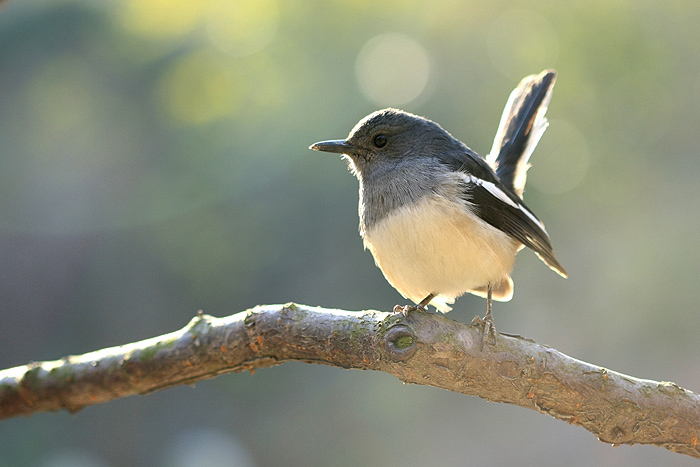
<point>489,336</point>
<point>406,309</point>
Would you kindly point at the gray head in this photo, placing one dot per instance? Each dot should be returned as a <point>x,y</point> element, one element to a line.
<point>398,157</point>
<point>388,139</point>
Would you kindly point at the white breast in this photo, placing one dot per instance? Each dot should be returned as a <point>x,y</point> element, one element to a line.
<point>435,246</point>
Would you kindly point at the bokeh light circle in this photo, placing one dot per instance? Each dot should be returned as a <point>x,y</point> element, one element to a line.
<point>242,27</point>
<point>392,69</point>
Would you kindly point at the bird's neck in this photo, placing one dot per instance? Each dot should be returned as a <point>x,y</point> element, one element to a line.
<point>382,193</point>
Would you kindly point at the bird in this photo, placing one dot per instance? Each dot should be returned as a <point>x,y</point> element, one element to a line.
<point>439,219</point>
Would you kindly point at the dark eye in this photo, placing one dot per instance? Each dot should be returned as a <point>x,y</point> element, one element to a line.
<point>380,140</point>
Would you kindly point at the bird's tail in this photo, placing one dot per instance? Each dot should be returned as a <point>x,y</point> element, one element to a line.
<point>522,125</point>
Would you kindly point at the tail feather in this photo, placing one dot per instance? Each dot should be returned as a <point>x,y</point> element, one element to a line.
<point>522,125</point>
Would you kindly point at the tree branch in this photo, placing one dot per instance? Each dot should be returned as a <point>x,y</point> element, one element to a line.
<point>421,348</point>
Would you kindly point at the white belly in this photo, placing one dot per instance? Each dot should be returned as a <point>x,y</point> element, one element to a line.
<point>433,246</point>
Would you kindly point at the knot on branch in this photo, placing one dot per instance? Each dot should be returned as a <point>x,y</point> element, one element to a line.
<point>400,342</point>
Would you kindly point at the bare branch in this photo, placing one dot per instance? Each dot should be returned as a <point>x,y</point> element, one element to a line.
<point>421,348</point>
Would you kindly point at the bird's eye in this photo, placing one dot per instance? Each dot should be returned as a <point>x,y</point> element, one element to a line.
<point>380,140</point>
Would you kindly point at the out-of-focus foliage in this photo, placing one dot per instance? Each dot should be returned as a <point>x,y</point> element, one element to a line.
<point>154,162</point>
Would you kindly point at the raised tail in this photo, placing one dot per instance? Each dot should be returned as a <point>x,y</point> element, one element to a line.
<point>522,125</point>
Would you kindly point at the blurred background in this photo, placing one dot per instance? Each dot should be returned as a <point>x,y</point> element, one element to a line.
<point>154,162</point>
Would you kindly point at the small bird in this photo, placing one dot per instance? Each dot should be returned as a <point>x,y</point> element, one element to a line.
<point>438,218</point>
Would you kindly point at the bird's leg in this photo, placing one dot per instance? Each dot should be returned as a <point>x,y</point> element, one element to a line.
<point>487,320</point>
<point>424,303</point>
<point>406,309</point>
<point>489,326</point>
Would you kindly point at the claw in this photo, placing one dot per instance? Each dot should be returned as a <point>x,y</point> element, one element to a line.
<point>489,331</point>
<point>405,309</point>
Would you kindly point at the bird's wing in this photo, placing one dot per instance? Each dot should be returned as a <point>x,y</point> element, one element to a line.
<point>496,205</point>
<point>522,125</point>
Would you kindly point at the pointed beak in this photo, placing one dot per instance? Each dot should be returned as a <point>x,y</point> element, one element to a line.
<point>339,146</point>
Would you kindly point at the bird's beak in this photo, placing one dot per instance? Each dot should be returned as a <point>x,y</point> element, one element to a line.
<point>339,146</point>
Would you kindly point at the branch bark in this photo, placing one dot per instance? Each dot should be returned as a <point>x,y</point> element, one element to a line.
<point>421,348</point>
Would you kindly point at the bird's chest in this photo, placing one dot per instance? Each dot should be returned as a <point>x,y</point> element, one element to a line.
<point>437,246</point>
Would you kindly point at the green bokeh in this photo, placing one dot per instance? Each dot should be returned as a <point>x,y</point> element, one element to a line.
<point>154,162</point>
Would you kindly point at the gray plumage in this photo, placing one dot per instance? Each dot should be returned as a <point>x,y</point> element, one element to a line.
<point>439,219</point>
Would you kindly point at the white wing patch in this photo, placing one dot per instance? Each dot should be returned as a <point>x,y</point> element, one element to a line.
<point>494,190</point>
<point>501,196</point>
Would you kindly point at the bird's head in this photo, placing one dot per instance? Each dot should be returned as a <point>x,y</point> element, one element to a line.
<point>384,139</point>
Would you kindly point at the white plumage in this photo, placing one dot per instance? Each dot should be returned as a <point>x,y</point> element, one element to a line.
<point>421,249</point>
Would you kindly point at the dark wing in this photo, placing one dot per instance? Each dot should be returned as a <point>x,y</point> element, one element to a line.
<point>522,125</point>
<point>494,204</point>
<point>462,159</point>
